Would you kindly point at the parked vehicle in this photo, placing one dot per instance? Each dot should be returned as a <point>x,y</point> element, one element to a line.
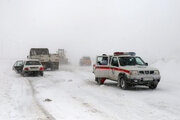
<point>49,61</point>
<point>18,66</point>
<point>85,61</point>
<point>29,67</point>
<point>125,68</point>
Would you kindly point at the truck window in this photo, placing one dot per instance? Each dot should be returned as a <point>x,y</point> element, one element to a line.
<point>102,60</point>
<point>115,62</point>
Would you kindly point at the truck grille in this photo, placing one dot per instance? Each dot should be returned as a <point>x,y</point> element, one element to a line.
<point>146,72</point>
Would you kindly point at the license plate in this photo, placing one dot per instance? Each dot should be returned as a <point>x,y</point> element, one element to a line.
<point>34,68</point>
<point>147,79</point>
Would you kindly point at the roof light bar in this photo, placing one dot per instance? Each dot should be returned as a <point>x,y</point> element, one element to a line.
<point>124,53</point>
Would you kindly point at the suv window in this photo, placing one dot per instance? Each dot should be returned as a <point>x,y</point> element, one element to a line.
<point>102,60</point>
<point>115,62</point>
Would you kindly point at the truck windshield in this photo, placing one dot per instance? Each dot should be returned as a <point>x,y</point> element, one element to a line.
<point>33,63</point>
<point>124,61</point>
<point>39,52</point>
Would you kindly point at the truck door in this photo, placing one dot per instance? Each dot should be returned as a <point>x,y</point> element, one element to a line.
<point>113,73</point>
<point>102,67</point>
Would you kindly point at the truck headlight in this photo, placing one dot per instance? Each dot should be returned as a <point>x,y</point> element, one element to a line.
<point>133,72</point>
<point>156,72</point>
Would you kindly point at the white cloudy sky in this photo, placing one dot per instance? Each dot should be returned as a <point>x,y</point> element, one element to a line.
<point>90,27</point>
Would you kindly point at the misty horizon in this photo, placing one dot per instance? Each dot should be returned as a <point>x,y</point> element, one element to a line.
<point>90,27</point>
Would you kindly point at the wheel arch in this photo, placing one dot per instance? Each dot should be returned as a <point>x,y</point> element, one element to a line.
<point>121,75</point>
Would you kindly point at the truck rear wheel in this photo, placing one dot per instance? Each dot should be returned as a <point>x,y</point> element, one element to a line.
<point>99,81</point>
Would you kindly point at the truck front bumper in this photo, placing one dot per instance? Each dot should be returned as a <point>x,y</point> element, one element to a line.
<point>143,79</point>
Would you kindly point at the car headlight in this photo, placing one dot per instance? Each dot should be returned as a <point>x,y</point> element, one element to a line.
<point>134,72</point>
<point>156,72</point>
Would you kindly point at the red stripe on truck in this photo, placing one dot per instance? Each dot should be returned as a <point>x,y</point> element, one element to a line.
<point>118,69</point>
<point>101,67</point>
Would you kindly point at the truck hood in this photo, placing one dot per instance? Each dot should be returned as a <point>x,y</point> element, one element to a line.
<point>139,68</point>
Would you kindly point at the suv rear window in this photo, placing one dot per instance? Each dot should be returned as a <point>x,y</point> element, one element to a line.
<point>33,63</point>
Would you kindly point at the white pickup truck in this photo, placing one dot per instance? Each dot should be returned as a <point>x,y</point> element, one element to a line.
<point>127,69</point>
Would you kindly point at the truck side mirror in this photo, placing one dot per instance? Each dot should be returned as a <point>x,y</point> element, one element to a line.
<point>146,64</point>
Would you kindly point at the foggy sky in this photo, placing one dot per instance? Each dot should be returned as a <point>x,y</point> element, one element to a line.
<point>90,27</point>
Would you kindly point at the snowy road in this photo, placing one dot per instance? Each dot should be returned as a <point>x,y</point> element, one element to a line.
<point>75,95</point>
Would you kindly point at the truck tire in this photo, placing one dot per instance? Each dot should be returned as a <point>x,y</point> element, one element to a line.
<point>122,83</point>
<point>98,80</point>
<point>152,86</point>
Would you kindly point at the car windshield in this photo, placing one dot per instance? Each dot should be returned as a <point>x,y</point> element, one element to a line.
<point>124,61</point>
<point>33,63</point>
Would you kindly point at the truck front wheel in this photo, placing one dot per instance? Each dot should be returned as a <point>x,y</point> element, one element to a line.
<point>153,86</point>
<point>122,83</point>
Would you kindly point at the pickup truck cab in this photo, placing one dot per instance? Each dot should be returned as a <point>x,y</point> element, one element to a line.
<point>127,69</point>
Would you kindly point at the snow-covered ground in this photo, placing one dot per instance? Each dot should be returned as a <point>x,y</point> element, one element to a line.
<point>76,96</point>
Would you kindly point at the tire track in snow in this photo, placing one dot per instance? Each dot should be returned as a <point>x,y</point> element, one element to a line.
<point>92,109</point>
<point>41,108</point>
